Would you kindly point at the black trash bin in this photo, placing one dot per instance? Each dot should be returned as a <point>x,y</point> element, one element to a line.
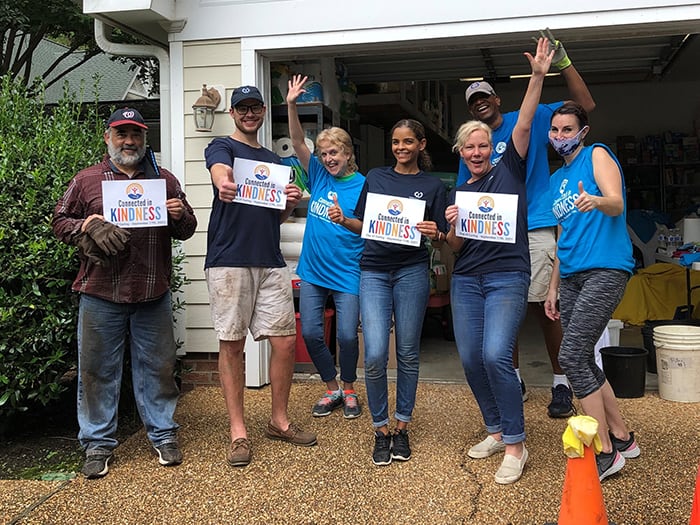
<point>625,368</point>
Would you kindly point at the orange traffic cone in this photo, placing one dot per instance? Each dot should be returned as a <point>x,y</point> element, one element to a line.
<point>695,512</point>
<point>582,498</point>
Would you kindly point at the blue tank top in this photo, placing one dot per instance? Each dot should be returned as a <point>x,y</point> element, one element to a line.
<point>593,239</point>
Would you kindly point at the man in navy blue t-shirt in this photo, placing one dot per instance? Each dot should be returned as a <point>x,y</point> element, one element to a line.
<point>248,281</point>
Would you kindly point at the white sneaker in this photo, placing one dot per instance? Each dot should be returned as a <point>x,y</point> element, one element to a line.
<point>488,447</point>
<point>511,469</point>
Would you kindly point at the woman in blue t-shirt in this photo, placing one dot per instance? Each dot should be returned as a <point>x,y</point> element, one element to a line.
<point>594,261</point>
<point>394,282</point>
<point>491,276</point>
<point>329,264</point>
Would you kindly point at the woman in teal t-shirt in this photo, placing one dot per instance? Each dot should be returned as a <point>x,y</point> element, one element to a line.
<point>330,258</point>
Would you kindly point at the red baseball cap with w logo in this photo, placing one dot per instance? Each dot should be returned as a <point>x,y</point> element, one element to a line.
<point>125,116</point>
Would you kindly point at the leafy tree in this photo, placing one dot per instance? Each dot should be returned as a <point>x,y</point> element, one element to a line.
<point>23,25</point>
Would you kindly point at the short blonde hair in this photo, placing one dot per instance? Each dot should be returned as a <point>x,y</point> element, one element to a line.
<point>340,138</point>
<point>465,131</point>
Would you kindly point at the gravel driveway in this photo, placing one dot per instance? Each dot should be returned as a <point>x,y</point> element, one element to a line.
<point>336,482</point>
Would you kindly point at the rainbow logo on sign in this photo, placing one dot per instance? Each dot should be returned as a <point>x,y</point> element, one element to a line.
<point>395,207</point>
<point>134,191</point>
<point>486,204</point>
<point>261,172</point>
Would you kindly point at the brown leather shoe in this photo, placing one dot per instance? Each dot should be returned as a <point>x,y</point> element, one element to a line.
<point>293,435</point>
<point>240,453</point>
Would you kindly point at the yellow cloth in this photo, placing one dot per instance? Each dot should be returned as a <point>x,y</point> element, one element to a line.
<point>654,293</point>
<point>580,431</point>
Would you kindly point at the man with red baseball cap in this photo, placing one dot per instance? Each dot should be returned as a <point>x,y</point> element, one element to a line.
<point>124,288</point>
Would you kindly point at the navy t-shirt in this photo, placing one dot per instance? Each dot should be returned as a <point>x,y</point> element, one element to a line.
<point>386,256</point>
<point>241,235</point>
<point>478,257</point>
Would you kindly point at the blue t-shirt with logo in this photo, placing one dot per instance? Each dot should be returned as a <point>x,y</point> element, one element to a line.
<point>593,239</point>
<point>539,205</point>
<point>477,257</point>
<point>241,235</point>
<point>330,255</point>
<point>386,256</point>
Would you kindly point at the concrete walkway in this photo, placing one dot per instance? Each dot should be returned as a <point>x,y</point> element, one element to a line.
<point>336,482</point>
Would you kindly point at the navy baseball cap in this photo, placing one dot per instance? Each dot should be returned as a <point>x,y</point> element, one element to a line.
<point>125,116</point>
<point>243,93</point>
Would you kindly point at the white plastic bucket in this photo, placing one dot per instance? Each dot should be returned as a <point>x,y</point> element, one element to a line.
<point>678,362</point>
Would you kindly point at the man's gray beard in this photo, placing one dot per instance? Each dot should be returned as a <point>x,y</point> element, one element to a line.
<point>118,157</point>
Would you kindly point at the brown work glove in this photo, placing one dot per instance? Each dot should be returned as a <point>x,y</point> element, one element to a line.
<point>109,238</point>
<point>88,247</point>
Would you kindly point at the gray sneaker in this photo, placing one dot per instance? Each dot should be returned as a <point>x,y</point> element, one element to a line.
<point>168,454</point>
<point>97,465</point>
<point>609,463</point>
<point>327,404</point>
<point>351,406</point>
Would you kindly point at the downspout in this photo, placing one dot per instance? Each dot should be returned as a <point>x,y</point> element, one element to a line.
<point>113,48</point>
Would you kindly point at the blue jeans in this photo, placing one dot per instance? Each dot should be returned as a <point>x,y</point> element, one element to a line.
<point>312,305</point>
<point>403,292</point>
<point>487,311</point>
<point>103,329</point>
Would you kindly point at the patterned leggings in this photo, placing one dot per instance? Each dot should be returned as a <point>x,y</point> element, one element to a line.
<point>587,301</point>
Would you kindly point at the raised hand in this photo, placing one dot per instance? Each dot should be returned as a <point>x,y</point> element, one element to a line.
<point>560,60</point>
<point>295,87</point>
<point>543,57</point>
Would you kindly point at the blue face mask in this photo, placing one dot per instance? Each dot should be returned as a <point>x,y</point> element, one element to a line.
<point>566,147</point>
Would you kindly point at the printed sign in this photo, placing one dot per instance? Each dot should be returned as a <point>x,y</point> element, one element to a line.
<point>392,219</point>
<point>489,217</point>
<point>135,203</point>
<point>261,183</point>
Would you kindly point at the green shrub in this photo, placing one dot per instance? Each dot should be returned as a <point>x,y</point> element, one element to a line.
<point>40,151</point>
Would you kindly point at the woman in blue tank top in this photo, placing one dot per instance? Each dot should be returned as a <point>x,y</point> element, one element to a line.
<point>594,262</point>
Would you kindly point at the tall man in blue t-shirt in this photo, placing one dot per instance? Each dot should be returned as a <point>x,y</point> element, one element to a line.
<point>485,105</point>
<point>249,283</point>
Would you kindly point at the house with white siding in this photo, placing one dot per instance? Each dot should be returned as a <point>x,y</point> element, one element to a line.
<point>410,59</point>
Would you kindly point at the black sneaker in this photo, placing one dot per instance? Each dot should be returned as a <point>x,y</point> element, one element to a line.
<point>382,448</point>
<point>97,465</point>
<point>609,463</point>
<point>523,390</point>
<point>168,454</point>
<point>562,402</point>
<point>629,449</point>
<point>400,448</point>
